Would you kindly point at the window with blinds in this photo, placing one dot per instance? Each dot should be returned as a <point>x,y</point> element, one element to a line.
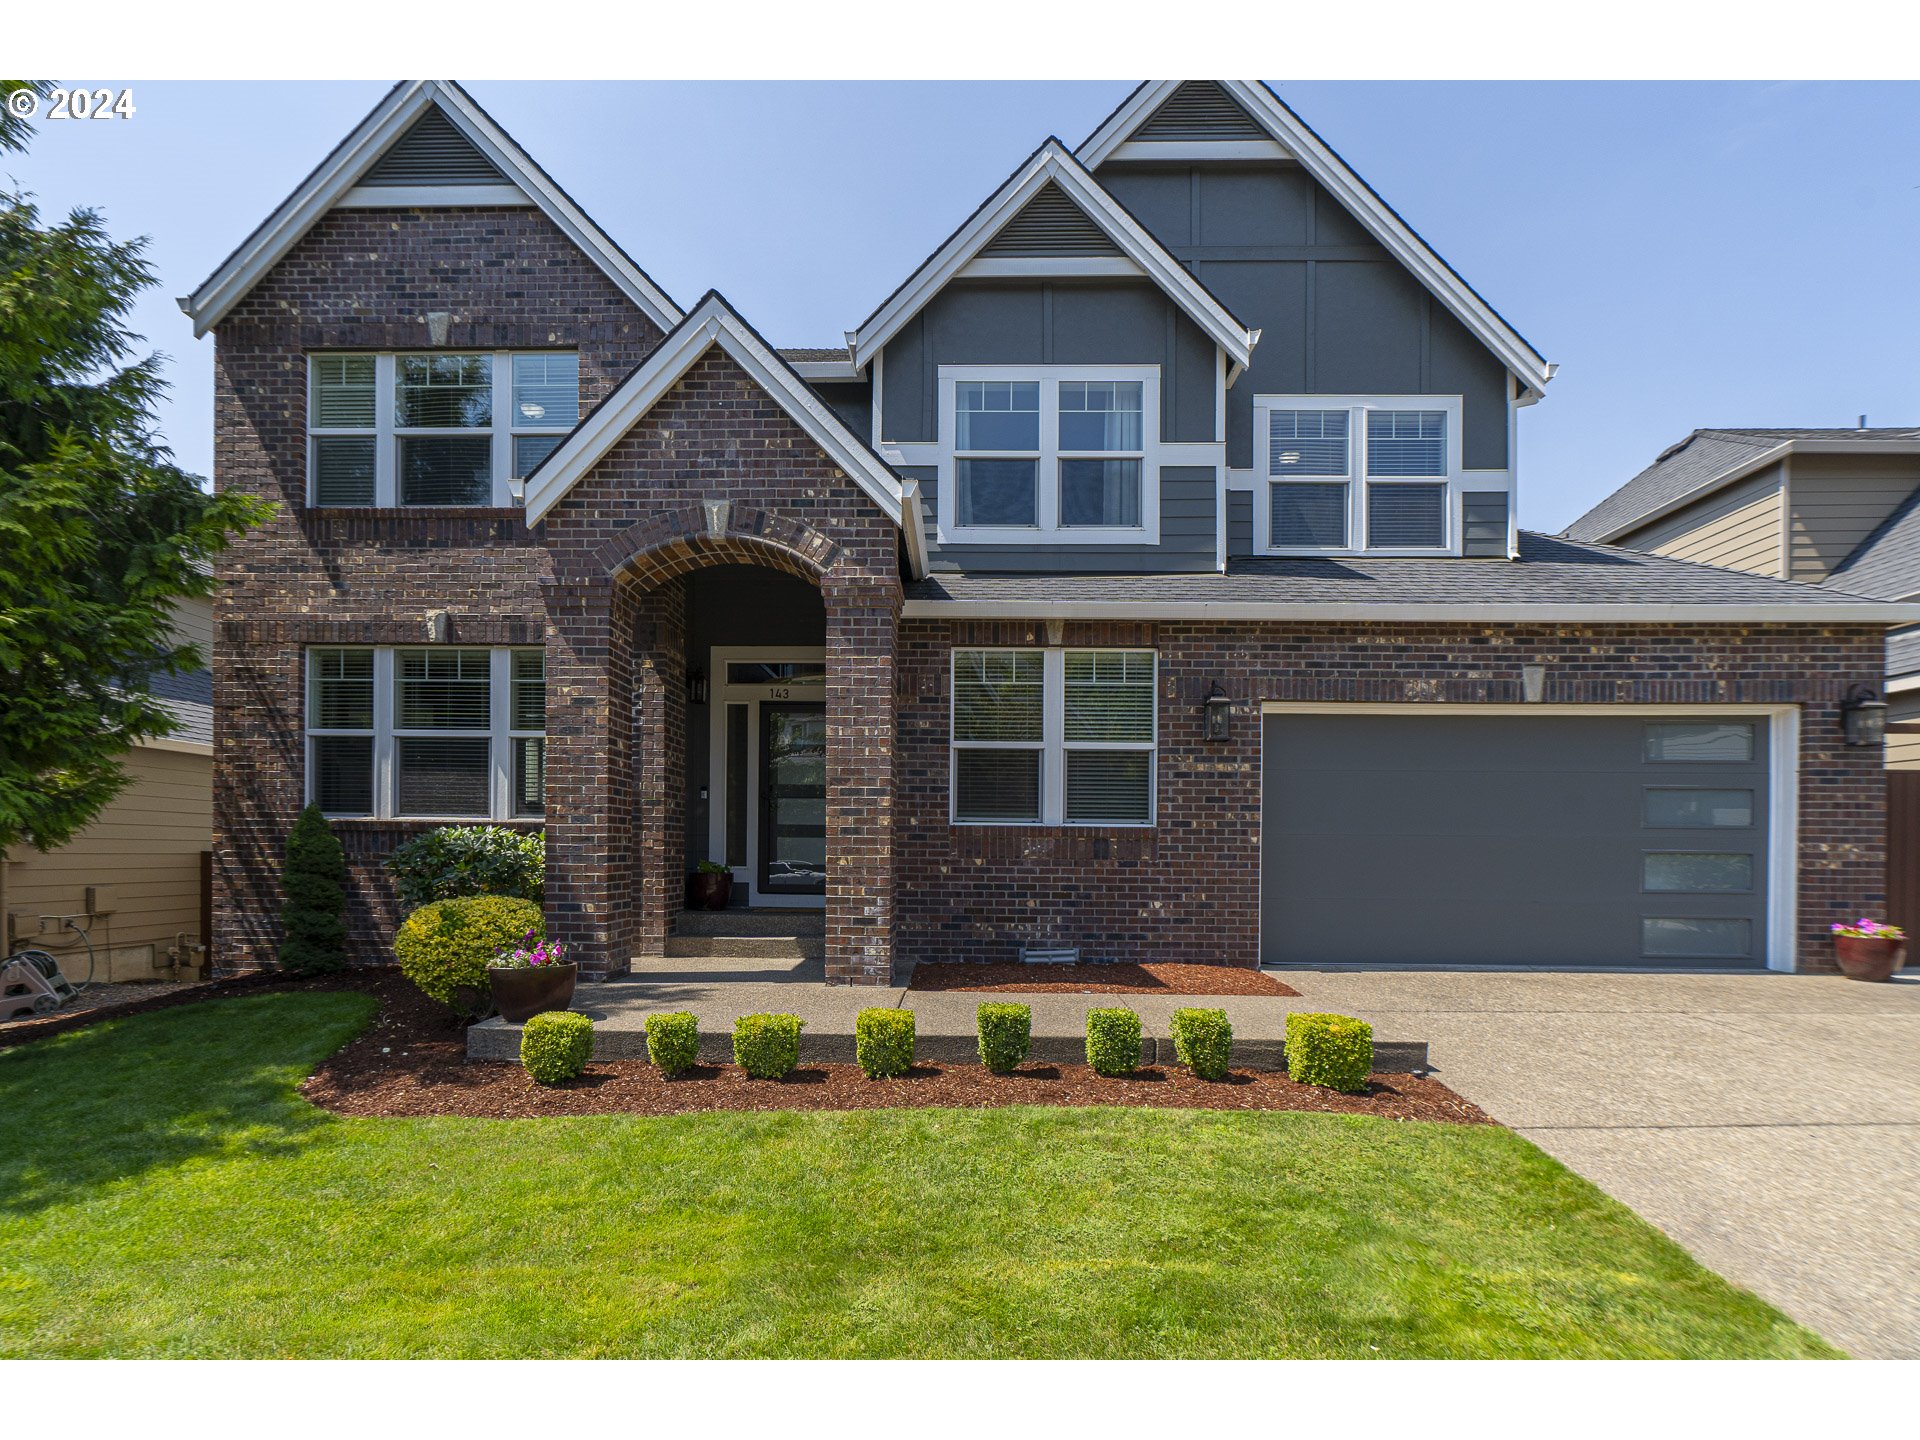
<point>1053,737</point>
<point>1356,472</point>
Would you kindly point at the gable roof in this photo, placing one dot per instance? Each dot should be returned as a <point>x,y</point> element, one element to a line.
<point>1299,140</point>
<point>1710,460</point>
<point>395,119</point>
<point>1051,165</point>
<point>713,322</point>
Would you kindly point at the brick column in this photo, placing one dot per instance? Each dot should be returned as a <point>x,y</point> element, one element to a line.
<point>590,774</point>
<point>660,761</point>
<point>862,633</point>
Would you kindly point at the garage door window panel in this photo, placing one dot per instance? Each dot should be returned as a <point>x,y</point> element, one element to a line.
<point>1693,872</point>
<point>1686,808</point>
<point>1700,742</point>
<point>1669,937</point>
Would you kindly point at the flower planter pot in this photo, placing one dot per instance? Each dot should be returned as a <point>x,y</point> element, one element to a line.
<point>520,995</point>
<point>711,892</point>
<point>1868,957</point>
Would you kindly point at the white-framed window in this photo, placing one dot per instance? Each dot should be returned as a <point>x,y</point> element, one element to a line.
<point>1058,453</point>
<point>1053,737</point>
<point>1345,473</point>
<point>438,732</point>
<point>434,428</point>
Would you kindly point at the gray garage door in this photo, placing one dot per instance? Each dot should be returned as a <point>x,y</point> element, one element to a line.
<point>1513,840</point>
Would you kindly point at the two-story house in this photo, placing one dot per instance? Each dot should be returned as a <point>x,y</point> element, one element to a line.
<point>1140,578</point>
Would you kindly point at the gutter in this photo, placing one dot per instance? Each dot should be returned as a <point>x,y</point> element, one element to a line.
<point>1310,612</point>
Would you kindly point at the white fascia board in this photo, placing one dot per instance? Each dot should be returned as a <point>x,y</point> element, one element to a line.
<point>340,172</point>
<point>1307,612</point>
<point>712,323</point>
<point>1901,684</point>
<point>827,370</point>
<point>1051,162</point>
<point>388,197</point>
<point>1162,151</point>
<point>178,747</point>
<point>1346,186</point>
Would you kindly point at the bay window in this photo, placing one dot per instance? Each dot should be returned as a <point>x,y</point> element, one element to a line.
<point>1358,472</point>
<point>1053,737</point>
<point>432,732</point>
<point>434,429</point>
<point>1061,453</point>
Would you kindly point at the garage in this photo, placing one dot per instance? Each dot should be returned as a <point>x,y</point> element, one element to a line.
<point>1397,836</point>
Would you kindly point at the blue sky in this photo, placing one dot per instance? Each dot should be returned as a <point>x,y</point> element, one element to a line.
<point>1690,254</point>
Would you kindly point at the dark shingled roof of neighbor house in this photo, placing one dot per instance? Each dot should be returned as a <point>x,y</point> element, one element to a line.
<point>190,699</point>
<point>1885,565</point>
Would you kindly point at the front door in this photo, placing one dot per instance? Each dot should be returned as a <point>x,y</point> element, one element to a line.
<point>793,798</point>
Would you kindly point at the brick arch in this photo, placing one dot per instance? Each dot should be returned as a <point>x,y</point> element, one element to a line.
<point>677,542</point>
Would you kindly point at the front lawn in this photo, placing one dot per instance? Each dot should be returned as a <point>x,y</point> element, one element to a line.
<point>165,1192</point>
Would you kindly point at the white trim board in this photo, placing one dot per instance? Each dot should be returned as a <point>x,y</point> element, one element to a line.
<point>337,177</point>
<point>1052,163</point>
<point>1783,783</point>
<point>1345,185</point>
<point>1308,612</point>
<point>721,694</point>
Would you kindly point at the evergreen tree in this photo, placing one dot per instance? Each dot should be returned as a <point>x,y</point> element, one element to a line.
<point>315,915</point>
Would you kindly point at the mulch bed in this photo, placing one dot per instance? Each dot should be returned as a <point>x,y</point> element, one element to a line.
<point>1164,977</point>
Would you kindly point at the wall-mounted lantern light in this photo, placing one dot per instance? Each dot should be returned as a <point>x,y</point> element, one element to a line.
<point>696,687</point>
<point>1863,716</point>
<point>1218,712</point>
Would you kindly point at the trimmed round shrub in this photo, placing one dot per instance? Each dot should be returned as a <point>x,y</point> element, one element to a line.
<point>767,1047</point>
<point>1331,1050</point>
<point>444,947</point>
<point>883,1042</point>
<point>673,1040</point>
<point>458,860</point>
<point>1203,1041</point>
<point>1006,1034</point>
<point>1113,1041</point>
<point>555,1046</point>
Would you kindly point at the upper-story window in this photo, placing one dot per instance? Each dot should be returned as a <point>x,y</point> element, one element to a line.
<point>434,429</point>
<point>1064,454</point>
<point>1352,472</point>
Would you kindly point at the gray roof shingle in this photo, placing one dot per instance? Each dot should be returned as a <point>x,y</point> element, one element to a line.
<point>1885,565</point>
<point>795,354</point>
<point>1903,652</point>
<point>1550,571</point>
<point>1702,457</point>
<point>190,699</point>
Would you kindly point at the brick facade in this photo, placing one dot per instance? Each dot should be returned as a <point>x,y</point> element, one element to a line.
<point>1188,889</point>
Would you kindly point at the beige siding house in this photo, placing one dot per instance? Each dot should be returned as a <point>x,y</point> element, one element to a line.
<point>133,879</point>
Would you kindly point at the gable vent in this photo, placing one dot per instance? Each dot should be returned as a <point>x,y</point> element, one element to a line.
<point>434,152</point>
<point>1200,110</point>
<point>1051,224</point>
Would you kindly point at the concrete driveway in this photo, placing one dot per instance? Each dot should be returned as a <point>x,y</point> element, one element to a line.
<point>1769,1123</point>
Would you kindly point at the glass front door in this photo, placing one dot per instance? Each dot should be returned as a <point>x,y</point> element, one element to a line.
<point>793,798</point>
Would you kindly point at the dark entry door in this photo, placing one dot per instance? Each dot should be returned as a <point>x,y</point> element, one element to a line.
<point>793,799</point>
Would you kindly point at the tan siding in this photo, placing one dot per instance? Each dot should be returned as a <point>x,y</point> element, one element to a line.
<point>1739,528</point>
<point>193,623</point>
<point>1903,746</point>
<point>1836,501</point>
<point>146,847</point>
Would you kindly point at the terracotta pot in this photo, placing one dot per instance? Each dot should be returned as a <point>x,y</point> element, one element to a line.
<point>519,995</point>
<point>712,892</point>
<point>1865,957</point>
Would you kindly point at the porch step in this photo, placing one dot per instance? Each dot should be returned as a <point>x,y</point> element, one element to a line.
<point>750,922</point>
<point>746,947</point>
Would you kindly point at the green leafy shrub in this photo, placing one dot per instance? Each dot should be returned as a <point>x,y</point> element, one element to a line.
<point>767,1046</point>
<point>1113,1041</point>
<point>1331,1050</point>
<point>315,915</point>
<point>1006,1034</point>
<point>555,1045</point>
<point>883,1042</point>
<point>673,1040</point>
<point>459,860</point>
<point>1203,1041</point>
<point>444,947</point>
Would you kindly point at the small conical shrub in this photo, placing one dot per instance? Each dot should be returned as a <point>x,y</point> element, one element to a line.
<point>315,915</point>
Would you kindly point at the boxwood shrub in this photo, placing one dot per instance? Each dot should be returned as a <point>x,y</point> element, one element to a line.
<point>1113,1041</point>
<point>555,1046</point>
<point>673,1040</point>
<point>444,947</point>
<point>1203,1041</point>
<point>1331,1050</point>
<point>767,1046</point>
<point>450,861</point>
<point>1006,1035</point>
<point>883,1042</point>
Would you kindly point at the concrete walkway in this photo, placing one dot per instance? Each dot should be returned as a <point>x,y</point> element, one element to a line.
<point>1769,1123</point>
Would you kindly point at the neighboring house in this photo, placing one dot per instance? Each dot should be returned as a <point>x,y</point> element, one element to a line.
<point>1835,508</point>
<point>137,878</point>
<point>1141,578</point>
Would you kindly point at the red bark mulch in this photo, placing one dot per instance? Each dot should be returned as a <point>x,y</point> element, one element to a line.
<point>1165,977</point>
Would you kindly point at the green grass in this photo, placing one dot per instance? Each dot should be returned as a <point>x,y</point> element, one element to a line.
<point>164,1191</point>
